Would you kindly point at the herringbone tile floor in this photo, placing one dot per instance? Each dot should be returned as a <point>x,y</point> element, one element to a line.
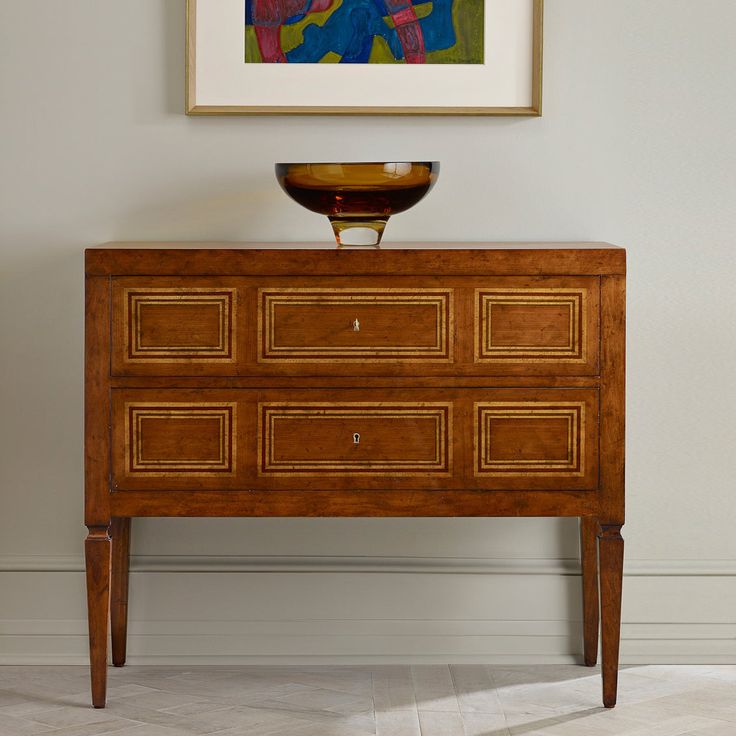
<point>428,700</point>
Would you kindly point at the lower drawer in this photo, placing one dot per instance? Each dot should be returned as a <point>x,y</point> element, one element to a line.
<point>351,439</point>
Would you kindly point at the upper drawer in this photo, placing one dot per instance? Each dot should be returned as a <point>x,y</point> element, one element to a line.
<point>399,327</point>
<point>298,325</point>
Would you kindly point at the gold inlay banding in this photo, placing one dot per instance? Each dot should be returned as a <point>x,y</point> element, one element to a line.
<point>572,465</point>
<point>138,413</point>
<point>222,349</point>
<point>575,349</point>
<point>271,413</point>
<point>269,350</point>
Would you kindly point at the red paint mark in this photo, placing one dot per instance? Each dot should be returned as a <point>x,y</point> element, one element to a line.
<point>408,29</point>
<point>269,43</point>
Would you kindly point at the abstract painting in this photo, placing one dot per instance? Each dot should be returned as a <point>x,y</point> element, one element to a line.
<point>364,57</point>
<point>364,31</point>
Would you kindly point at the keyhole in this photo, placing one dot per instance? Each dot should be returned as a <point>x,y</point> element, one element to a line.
<point>356,439</point>
<point>356,325</point>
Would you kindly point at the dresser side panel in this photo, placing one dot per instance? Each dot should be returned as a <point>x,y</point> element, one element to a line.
<point>97,402</point>
<point>613,402</point>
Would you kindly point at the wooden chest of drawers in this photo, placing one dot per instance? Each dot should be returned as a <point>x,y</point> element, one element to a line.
<point>436,380</point>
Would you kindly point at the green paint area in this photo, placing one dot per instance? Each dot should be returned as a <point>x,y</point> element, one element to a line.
<point>467,17</point>
<point>252,52</point>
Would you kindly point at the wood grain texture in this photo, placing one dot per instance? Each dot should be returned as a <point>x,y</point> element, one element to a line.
<point>352,503</point>
<point>180,438</point>
<point>97,548</point>
<point>355,325</point>
<point>120,533</point>
<point>528,439</point>
<point>612,504</point>
<point>545,325</point>
<point>403,259</point>
<point>611,546</point>
<point>190,439</point>
<point>589,570</point>
<point>232,380</point>
<point>275,382</point>
<point>174,326</point>
<point>355,439</point>
<point>613,399</point>
<point>179,324</point>
<point>390,325</point>
<point>409,439</point>
<point>97,402</point>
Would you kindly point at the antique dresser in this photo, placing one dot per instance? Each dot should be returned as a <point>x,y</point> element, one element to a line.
<point>456,379</point>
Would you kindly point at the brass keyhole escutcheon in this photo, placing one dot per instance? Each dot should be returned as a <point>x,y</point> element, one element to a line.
<point>356,439</point>
<point>356,325</point>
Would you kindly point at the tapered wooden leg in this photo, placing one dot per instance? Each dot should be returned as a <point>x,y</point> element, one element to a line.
<point>589,566</point>
<point>120,530</point>
<point>611,550</point>
<point>97,552</point>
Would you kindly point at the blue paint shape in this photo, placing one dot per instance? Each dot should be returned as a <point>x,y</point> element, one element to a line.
<point>348,32</point>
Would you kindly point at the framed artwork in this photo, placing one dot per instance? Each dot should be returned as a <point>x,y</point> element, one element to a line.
<point>364,57</point>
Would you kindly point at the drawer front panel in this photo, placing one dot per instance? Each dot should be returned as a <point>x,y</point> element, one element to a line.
<point>355,438</point>
<point>355,325</point>
<point>549,439</point>
<point>180,439</point>
<point>177,439</point>
<point>174,326</point>
<point>547,326</point>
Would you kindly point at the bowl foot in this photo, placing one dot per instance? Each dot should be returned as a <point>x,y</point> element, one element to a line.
<point>351,233</point>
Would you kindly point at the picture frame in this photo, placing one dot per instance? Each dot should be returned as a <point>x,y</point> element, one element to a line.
<point>508,81</point>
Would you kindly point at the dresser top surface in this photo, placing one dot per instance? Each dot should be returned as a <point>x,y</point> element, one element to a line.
<point>331,246</point>
<point>395,259</point>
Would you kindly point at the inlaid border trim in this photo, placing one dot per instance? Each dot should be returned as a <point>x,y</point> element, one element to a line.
<point>137,411</point>
<point>225,300</point>
<point>573,411</point>
<point>441,352</point>
<point>270,412</point>
<point>574,352</point>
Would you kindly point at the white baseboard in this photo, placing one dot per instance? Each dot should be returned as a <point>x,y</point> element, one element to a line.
<point>344,610</point>
<point>216,642</point>
<point>450,565</point>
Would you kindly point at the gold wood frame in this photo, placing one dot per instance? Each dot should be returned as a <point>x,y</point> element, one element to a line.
<point>192,108</point>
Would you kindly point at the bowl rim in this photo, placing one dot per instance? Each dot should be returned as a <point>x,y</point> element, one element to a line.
<point>352,163</point>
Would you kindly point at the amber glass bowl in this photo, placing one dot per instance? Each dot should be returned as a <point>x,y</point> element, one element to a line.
<point>358,198</point>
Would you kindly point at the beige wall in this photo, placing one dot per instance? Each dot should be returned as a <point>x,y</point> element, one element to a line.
<point>636,147</point>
